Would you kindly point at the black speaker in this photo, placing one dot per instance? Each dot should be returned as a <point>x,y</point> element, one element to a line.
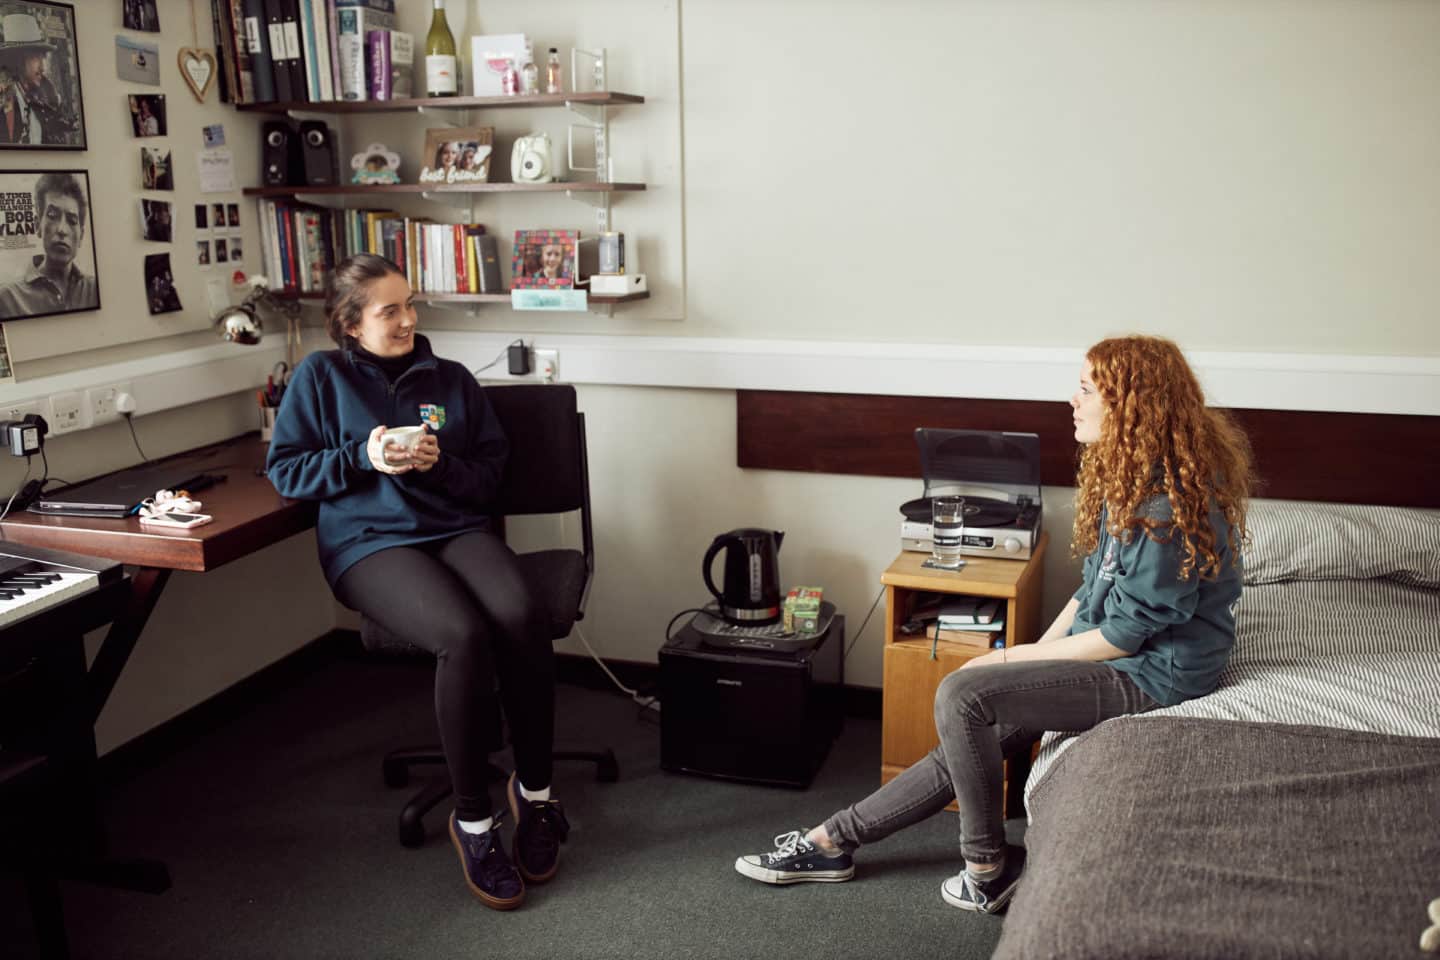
<point>279,155</point>
<point>317,148</point>
<point>746,715</point>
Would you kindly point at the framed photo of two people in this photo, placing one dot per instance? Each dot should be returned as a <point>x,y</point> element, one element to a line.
<point>40,103</point>
<point>47,244</point>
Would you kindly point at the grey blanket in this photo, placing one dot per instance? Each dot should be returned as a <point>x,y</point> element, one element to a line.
<point>1195,838</point>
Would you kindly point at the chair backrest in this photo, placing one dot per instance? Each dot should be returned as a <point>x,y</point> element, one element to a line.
<point>546,470</point>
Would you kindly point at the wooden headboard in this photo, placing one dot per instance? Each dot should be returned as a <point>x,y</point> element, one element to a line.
<point>1300,455</point>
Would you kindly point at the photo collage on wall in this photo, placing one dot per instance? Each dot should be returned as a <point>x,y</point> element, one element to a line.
<point>47,243</point>
<point>217,234</point>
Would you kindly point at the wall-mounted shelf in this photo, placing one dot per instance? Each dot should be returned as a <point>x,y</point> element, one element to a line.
<point>354,189</point>
<point>598,98</point>
<point>423,297</point>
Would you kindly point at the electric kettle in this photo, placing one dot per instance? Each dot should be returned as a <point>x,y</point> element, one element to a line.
<point>752,575</point>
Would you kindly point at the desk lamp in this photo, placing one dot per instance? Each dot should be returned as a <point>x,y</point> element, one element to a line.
<point>242,323</point>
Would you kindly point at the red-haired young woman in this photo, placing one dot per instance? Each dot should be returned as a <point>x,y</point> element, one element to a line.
<point>1159,518</point>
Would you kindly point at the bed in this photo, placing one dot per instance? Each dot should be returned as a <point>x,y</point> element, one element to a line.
<point>1295,811</point>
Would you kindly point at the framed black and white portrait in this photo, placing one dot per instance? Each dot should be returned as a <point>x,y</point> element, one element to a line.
<point>47,244</point>
<point>40,103</point>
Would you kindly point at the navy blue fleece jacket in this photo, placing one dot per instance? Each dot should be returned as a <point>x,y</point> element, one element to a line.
<point>1178,633</point>
<point>317,452</point>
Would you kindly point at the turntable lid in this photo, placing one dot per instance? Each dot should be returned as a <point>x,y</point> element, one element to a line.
<point>1006,462</point>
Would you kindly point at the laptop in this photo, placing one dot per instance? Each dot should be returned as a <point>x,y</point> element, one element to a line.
<point>116,494</point>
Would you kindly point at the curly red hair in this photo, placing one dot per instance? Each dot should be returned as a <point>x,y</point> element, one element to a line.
<point>1159,438</point>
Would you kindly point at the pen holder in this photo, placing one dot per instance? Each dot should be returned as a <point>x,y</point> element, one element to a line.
<point>267,423</point>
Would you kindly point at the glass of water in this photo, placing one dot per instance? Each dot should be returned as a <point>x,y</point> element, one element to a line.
<point>947,516</point>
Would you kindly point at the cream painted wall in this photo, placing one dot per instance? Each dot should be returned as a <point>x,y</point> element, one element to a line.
<point>1239,176</point>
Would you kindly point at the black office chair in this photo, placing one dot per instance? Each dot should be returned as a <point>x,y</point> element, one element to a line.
<point>547,472</point>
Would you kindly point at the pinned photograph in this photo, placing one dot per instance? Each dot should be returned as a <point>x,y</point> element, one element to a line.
<point>47,246</point>
<point>202,217</point>
<point>222,250</point>
<point>155,173</point>
<point>40,103</point>
<point>147,114</point>
<point>155,223</point>
<point>141,15</point>
<point>544,258</point>
<point>457,155</point>
<point>232,214</point>
<point>160,284</point>
<point>217,215</point>
<point>137,61</point>
<point>202,253</point>
<point>235,250</point>
<point>7,369</point>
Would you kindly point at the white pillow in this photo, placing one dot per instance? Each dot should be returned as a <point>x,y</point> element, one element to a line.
<point>1330,541</point>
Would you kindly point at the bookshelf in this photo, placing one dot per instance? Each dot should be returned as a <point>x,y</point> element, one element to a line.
<point>596,98</point>
<point>590,106</point>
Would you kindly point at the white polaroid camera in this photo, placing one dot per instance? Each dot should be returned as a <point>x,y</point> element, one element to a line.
<point>530,159</point>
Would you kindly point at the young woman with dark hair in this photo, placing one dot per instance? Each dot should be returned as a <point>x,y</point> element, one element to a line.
<point>404,538</point>
<point>1159,519</point>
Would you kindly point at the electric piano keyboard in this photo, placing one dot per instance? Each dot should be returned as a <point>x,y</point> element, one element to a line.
<point>36,579</point>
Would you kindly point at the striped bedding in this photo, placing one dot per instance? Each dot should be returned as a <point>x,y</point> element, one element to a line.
<point>1317,647</point>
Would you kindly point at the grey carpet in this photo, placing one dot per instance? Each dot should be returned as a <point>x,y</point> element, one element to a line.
<point>280,838</point>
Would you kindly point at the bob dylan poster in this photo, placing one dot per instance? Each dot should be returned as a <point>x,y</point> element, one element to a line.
<point>47,244</point>
<point>40,103</point>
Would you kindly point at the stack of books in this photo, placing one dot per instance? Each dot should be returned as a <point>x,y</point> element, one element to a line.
<point>972,621</point>
<point>315,50</point>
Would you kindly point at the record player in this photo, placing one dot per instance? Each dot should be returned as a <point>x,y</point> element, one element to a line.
<point>997,473</point>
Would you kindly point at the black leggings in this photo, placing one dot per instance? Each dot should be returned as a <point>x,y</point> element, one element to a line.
<point>464,600</point>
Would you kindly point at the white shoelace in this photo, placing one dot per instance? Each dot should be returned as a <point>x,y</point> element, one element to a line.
<point>786,845</point>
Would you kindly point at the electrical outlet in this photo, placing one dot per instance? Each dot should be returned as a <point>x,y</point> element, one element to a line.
<point>17,411</point>
<point>102,402</point>
<point>547,365</point>
<point>68,412</point>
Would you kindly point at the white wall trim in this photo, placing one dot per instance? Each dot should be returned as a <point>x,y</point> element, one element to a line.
<point>1280,381</point>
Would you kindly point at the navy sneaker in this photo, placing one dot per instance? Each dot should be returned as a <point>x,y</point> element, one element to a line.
<point>488,871</point>
<point>796,860</point>
<point>540,828</point>
<point>986,896</point>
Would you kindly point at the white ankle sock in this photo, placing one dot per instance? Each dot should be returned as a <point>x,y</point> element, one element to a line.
<point>476,826</point>
<point>533,794</point>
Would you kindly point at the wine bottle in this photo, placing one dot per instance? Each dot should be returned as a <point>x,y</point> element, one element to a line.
<point>441,70</point>
<point>552,72</point>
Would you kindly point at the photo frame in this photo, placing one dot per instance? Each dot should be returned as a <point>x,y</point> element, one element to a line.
<point>457,155</point>
<point>544,259</point>
<point>47,244</point>
<point>41,104</point>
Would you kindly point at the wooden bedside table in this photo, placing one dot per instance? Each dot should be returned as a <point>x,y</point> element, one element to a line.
<point>911,677</point>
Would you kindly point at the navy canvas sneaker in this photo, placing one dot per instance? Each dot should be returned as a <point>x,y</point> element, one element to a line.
<point>796,860</point>
<point>986,896</point>
<point>540,828</point>
<point>488,871</point>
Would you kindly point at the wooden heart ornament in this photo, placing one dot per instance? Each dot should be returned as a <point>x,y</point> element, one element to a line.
<point>197,67</point>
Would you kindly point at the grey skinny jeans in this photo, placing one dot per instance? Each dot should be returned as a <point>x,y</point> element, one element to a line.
<point>984,714</point>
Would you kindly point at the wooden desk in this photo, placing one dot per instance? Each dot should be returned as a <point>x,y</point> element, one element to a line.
<point>249,515</point>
